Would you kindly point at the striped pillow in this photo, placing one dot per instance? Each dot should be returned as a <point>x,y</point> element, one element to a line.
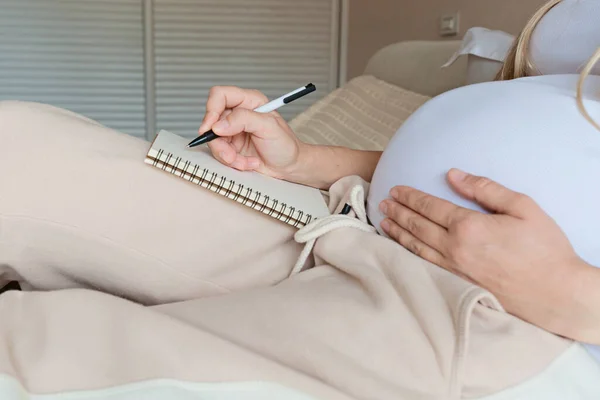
<point>363,114</point>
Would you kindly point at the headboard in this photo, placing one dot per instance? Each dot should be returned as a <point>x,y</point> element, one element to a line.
<point>417,66</point>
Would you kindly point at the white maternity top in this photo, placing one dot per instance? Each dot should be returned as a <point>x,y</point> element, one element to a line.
<point>526,134</point>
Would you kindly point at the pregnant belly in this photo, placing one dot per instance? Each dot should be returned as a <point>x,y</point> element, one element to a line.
<point>530,138</point>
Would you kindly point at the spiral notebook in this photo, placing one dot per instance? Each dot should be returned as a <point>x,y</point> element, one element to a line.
<point>288,202</point>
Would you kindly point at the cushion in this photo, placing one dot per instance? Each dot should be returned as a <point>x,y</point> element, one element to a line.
<point>416,65</point>
<point>486,51</point>
<point>364,114</point>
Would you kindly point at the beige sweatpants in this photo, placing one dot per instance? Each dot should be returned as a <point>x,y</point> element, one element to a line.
<point>133,275</point>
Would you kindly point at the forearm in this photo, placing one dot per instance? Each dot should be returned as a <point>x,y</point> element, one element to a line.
<point>322,166</point>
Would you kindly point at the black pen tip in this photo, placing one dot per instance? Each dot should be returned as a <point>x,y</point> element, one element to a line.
<point>200,140</point>
<point>193,143</point>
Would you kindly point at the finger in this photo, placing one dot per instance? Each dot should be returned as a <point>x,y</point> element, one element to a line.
<point>491,195</point>
<point>420,227</point>
<point>264,126</point>
<point>211,118</point>
<point>440,211</point>
<point>221,98</point>
<point>225,152</point>
<point>411,243</point>
<point>415,246</point>
<point>244,163</point>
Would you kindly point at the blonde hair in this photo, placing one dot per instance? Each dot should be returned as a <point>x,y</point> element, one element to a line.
<point>584,74</point>
<point>518,64</point>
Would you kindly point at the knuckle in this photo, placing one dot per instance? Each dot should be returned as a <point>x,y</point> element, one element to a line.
<point>468,226</point>
<point>215,91</point>
<point>465,231</point>
<point>459,254</point>
<point>239,114</point>
<point>524,198</point>
<point>258,94</point>
<point>394,232</point>
<point>404,195</point>
<point>523,201</point>
<point>414,246</point>
<point>232,117</point>
<point>398,234</point>
<point>413,224</point>
<point>237,120</point>
<point>423,203</point>
<point>392,209</point>
<point>480,181</point>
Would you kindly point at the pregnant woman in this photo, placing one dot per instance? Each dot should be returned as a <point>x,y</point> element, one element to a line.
<point>139,285</point>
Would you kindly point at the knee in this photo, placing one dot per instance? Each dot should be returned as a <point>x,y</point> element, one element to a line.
<point>16,108</point>
<point>23,124</point>
<point>12,109</point>
<point>19,114</point>
<point>13,112</point>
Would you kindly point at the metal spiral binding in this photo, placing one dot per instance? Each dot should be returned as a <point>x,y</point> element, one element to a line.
<point>222,185</point>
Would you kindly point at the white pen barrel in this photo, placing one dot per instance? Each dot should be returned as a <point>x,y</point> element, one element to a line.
<point>271,106</point>
<point>277,103</point>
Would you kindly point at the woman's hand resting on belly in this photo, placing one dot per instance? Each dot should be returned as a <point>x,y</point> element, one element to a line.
<point>518,253</point>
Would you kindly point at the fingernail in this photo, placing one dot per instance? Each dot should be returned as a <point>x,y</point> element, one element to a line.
<point>385,225</point>
<point>383,207</point>
<point>220,126</point>
<point>458,175</point>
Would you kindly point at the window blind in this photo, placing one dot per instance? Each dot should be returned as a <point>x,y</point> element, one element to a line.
<point>82,55</point>
<point>275,46</point>
<point>143,65</point>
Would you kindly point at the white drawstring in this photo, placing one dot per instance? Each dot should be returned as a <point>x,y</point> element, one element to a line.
<point>311,232</point>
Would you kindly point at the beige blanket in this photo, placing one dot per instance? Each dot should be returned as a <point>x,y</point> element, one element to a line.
<point>151,287</point>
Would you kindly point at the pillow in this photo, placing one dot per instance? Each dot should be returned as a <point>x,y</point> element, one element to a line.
<point>415,65</point>
<point>486,51</point>
<point>364,114</point>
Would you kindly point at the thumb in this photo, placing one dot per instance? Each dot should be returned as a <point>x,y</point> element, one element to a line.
<point>491,195</point>
<point>263,126</point>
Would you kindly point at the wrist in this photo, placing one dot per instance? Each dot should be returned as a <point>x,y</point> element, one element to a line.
<point>305,170</point>
<point>322,166</point>
<point>584,304</point>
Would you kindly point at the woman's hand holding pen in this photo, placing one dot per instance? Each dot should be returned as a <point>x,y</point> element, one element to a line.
<point>248,140</point>
<point>265,143</point>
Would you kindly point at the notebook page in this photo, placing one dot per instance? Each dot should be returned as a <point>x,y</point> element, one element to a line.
<point>300,197</point>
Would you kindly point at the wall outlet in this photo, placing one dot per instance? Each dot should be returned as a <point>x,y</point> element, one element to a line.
<point>450,24</point>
